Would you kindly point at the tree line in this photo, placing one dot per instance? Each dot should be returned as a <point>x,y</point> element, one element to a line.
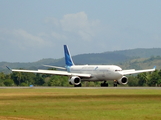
<point>27,79</point>
<point>146,79</point>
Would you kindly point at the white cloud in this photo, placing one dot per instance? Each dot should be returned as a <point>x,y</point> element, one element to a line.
<point>72,22</point>
<point>25,40</point>
<point>27,37</point>
<point>58,36</point>
<point>76,24</point>
<point>53,20</point>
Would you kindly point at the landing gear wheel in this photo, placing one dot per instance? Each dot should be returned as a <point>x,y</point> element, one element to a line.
<point>104,84</point>
<point>115,84</point>
<point>80,85</point>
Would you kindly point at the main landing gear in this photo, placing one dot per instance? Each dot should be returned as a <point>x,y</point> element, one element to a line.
<point>104,84</point>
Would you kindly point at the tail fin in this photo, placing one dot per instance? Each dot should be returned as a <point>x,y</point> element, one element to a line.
<point>68,58</point>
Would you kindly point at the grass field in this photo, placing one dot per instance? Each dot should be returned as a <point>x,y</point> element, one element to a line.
<point>80,104</point>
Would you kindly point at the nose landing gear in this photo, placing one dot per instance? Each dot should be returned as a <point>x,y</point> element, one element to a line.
<point>115,83</point>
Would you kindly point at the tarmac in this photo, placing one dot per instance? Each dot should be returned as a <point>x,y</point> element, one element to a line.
<point>33,87</point>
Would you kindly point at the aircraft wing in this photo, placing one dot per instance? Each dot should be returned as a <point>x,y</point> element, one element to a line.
<point>133,71</point>
<point>53,72</point>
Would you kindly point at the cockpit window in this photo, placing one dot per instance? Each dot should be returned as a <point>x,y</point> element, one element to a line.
<point>118,70</point>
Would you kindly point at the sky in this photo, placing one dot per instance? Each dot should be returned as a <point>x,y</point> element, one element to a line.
<point>31,30</point>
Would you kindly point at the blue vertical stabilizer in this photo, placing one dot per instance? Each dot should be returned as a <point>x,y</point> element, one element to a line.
<point>68,58</point>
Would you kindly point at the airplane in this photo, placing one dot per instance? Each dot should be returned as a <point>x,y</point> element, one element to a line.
<point>79,73</point>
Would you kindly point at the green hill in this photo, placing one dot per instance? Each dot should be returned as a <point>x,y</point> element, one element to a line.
<point>142,63</point>
<point>139,52</point>
<point>134,58</point>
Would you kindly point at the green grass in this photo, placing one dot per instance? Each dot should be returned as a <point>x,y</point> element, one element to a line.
<point>80,104</point>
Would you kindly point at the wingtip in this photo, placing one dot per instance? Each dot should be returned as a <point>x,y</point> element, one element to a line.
<point>9,68</point>
<point>154,67</point>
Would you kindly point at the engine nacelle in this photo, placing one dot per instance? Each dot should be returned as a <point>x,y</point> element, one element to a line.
<point>75,80</point>
<point>123,80</point>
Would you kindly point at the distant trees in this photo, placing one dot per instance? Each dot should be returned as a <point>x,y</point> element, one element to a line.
<point>58,81</point>
<point>26,79</point>
<point>8,82</point>
<point>146,79</point>
<point>23,79</point>
<point>133,80</point>
<point>5,80</point>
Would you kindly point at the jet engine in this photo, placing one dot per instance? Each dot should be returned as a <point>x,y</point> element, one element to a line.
<point>75,80</point>
<point>123,80</point>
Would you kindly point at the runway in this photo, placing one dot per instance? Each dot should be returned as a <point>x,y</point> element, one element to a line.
<point>157,88</point>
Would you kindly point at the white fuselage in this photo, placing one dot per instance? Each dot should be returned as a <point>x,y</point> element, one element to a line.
<point>98,72</point>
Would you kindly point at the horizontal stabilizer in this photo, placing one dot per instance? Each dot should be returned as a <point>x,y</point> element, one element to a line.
<point>55,67</point>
